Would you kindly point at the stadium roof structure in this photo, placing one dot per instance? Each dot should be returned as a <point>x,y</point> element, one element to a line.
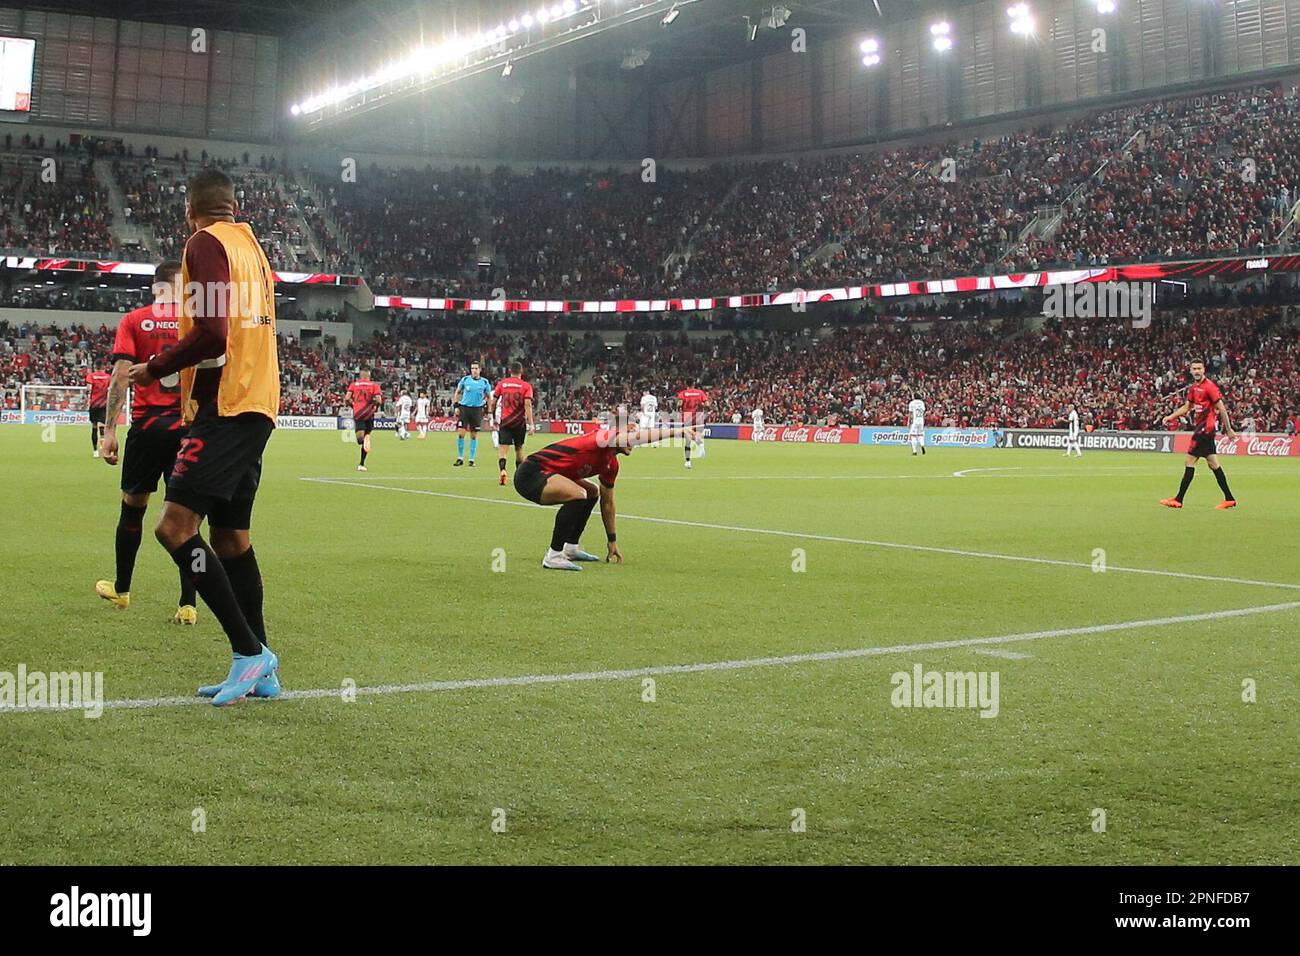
<point>694,34</point>
<point>704,35</point>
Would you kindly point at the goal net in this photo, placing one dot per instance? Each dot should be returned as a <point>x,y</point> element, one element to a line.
<point>55,398</point>
<point>61,404</point>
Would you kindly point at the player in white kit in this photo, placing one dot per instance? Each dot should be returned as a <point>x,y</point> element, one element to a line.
<point>1072,438</point>
<point>757,416</point>
<point>649,407</point>
<point>403,416</point>
<point>422,415</point>
<point>916,433</point>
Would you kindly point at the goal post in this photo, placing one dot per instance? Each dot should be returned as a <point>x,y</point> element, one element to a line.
<point>65,404</point>
<point>54,398</point>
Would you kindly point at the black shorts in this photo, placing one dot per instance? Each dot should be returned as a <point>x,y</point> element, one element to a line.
<point>97,415</point>
<point>512,435</point>
<point>219,466</point>
<point>1203,446</point>
<point>530,480</point>
<point>471,417</point>
<point>148,455</point>
<point>363,427</point>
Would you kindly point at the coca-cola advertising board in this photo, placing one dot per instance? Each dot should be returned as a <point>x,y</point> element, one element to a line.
<point>1254,445</point>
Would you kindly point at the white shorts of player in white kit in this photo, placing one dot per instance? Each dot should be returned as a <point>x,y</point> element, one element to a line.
<point>757,433</point>
<point>645,420</point>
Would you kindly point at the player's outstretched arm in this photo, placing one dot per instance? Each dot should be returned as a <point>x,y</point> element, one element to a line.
<point>1176,415</point>
<point>607,517</point>
<point>648,436</point>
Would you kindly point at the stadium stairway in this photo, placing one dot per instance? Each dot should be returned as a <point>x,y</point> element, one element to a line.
<point>126,234</point>
<point>688,248</point>
<point>304,181</point>
<point>868,220</point>
<point>311,245</point>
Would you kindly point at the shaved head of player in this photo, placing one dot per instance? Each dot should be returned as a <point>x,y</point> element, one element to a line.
<point>230,395</point>
<point>1205,403</point>
<point>558,473</point>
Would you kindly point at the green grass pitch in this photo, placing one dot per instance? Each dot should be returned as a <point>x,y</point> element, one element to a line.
<point>387,580</point>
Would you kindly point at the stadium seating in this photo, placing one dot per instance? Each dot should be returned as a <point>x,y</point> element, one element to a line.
<point>1174,178</point>
<point>991,371</point>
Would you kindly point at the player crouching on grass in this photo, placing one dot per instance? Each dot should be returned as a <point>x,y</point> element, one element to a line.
<point>556,475</point>
<point>1206,402</point>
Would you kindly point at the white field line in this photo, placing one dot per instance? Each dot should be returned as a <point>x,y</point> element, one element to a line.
<point>970,471</point>
<point>696,476</point>
<point>531,680</point>
<point>836,539</point>
<point>1009,655</point>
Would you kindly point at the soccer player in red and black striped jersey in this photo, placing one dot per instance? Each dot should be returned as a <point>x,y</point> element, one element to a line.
<point>514,397</point>
<point>366,398</point>
<point>155,435</point>
<point>98,382</point>
<point>693,401</point>
<point>1205,403</point>
<point>558,473</point>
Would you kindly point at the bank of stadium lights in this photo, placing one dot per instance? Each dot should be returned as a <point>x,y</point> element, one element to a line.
<point>1022,20</point>
<point>672,14</point>
<point>870,48</point>
<point>427,59</point>
<point>778,17</point>
<point>941,36</point>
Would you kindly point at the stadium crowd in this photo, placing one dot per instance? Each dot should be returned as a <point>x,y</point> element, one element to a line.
<point>153,195</point>
<point>1174,178</point>
<point>58,208</point>
<point>1006,372</point>
<point>1171,179</point>
<point>996,373</point>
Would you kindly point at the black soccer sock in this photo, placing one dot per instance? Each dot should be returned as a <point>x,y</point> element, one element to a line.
<point>501,464</point>
<point>1223,483</point>
<point>246,581</point>
<point>200,564</point>
<point>581,513</point>
<point>189,597</point>
<point>94,435</point>
<point>688,449</point>
<point>126,544</point>
<point>1188,474</point>
<point>363,456</point>
<point>563,521</point>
